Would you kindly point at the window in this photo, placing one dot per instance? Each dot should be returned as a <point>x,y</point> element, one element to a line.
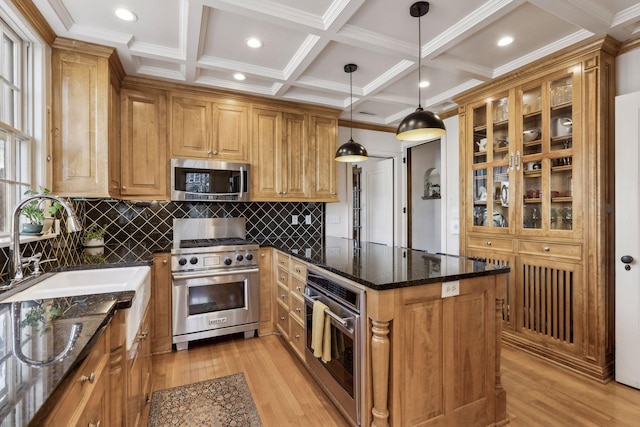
<point>16,143</point>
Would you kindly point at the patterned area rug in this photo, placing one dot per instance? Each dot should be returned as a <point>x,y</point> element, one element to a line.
<point>224,401</point>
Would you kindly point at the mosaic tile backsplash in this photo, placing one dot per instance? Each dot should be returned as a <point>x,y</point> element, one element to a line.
<point>150,224</point>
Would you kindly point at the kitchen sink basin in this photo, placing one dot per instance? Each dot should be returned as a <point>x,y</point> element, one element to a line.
<point>97,281</point>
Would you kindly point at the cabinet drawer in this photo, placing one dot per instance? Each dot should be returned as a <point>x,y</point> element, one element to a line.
<point>551,249</point>
<point>297,285</point>
<point>298,268</point>
<point>282,260</point>
<point>282,319</point>
<point>297,307</point>
<point>282,295</point>
<point>297,337</point>
<point>282,277</point>
<point>495,244</point>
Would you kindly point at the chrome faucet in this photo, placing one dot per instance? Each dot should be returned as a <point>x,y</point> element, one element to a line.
<point>16,262</point>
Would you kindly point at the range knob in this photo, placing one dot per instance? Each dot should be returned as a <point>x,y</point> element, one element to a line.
<point>193,260</point>
<point>227,261</point>
<point>239,258</point>
<point>248,257</point>
<point>182,261</point>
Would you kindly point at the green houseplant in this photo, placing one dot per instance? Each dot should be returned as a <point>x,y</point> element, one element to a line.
<point>94,236</point>
<point>34,212</point>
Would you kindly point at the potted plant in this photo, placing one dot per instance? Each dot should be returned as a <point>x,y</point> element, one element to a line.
<point>94,236</point>
<point>34,212</point>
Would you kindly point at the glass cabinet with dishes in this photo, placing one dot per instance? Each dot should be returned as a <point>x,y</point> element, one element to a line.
<point>536,194</point>
<point>492,162</point>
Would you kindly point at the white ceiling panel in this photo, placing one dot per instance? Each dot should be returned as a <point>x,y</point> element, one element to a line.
<point>308,42</point>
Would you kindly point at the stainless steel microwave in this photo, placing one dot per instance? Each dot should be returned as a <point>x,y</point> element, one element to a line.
<point>209,181</point>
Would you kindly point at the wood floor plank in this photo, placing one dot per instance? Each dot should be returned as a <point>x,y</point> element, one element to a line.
<point>539,393</point>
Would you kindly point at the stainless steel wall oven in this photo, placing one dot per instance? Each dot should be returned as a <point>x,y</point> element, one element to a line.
<point>342,377</point>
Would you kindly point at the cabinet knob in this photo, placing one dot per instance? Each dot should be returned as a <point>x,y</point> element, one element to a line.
<point>124,187</point>
<point>333,194</point>
<point>164,262</point>
<point>489,243</point>
<point>297,269</point>
<point>215,152</point>
<point>91,378</point>
<point>297,336</point>
<point>281,317</point>
<point>98,424</point>
<point>282,278</point>
<point>209,152</point>
<point>284,192</point>
<point>546,249</point>
<point>298,288</point>
<point>262,255</point>
<point>48,158</point>
<point>298,309</point>
<point>282,296</point>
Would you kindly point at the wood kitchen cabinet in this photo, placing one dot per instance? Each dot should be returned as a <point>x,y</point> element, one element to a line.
<point>139,367</point>
<point>209,128</point>
<point>265,264</point>
<point>279,166</point>
<point>85,400</point>
<point>536,150</point>
<point>290,280</point>
<point>292,156</point>
<point>85,115</point>
<point>161,332</point>
<point>144,161</point>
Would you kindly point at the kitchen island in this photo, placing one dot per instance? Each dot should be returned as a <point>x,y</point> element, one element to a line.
<point>432,332</point>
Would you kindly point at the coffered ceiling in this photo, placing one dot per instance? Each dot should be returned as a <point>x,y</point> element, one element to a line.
<point>306,44</point>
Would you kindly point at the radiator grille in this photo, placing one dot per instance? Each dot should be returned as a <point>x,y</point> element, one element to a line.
<point>548,297</point>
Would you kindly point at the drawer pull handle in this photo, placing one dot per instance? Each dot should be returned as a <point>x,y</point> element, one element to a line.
<point>91,378</point>
<point>282,296</point>
<point>282,262</point>
<point>297,336</point>
<point>297,269</point>
<point>546,249</point>
<point>282,318</point>
<point>298,309</point>
<point>98,424</point>
<point>489,243</point>
<point>282,277</point>
<point>298,288</point>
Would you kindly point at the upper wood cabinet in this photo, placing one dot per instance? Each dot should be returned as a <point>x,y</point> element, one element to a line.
<point>323,132</point>
<point>536,150</point>
<point>211,128</point>
<point>144,144</point>
<point>292,156</point>
<point>85,81</point>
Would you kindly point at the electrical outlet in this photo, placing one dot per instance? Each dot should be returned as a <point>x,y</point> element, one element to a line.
<point>450,289</point>
<point>294,219</point>
<point>307,219</point>
<point>307,252</point>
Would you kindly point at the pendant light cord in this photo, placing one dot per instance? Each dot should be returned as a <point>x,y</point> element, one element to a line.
<point>351,104</point>
<point>419,63</point>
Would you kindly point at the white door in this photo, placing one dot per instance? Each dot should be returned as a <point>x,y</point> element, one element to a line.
<point>377,201</point>
<point>627,239</point>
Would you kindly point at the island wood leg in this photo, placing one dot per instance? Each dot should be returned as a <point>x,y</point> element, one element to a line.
<point>380,373</point>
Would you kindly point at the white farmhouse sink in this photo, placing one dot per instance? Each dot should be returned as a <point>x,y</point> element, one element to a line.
<point>98,281</point>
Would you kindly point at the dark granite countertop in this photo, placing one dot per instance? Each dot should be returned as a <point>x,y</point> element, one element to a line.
<point>28,391</point>
<point>383,267</point>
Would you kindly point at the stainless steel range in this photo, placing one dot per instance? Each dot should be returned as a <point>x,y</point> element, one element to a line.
<point>215,280</point>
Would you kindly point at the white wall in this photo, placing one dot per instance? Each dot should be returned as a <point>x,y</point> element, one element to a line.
<point>627,72</point>
<point>378,144</point>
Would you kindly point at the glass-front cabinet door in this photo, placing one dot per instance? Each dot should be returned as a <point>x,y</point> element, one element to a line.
<point>492,162</point>
<point>547,154</point>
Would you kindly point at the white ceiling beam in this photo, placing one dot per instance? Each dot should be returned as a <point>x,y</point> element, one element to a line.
<point>587,14</point>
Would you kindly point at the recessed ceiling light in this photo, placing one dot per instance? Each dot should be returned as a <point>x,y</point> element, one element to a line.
<point>505,41</point>
<point>254,42</point>
<point>126,15</point>
<point>239,76</point>
<point>425,83</point>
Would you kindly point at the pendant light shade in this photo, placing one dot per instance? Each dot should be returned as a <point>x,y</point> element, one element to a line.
<point>420,125</point>
<point>351,151</point>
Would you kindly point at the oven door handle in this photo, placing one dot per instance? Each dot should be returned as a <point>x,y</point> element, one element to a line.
<point>343,321</point>
<point>200,274</point>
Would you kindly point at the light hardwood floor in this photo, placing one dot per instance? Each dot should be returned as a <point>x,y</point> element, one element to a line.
<point>538,393</point>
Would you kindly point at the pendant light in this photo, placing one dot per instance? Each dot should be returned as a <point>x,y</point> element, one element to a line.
<point>351,151</point>
<point>420,125</point>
